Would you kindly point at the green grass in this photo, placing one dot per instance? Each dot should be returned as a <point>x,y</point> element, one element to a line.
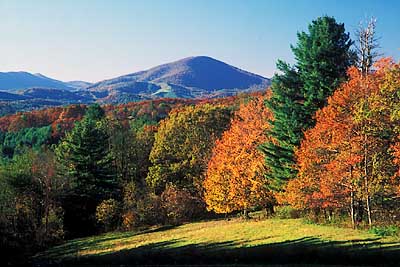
<point>271,241</point>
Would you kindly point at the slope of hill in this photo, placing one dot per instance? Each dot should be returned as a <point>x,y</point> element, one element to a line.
<point>4,96</point>
<point>38,98</point>
<point>187,78</point>
<point>13,107</point>
<point>12,81</point>
<point>78,84</point>
<point>58,94</point>
<point>201,72</point>
<point>233,242</point>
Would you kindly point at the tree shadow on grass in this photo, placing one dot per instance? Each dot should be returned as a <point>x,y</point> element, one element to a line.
<point>71,248</point>
<point>307,250</point>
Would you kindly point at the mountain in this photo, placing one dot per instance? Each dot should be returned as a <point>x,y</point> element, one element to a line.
<point>78,84</point>
<point>12,81</point>
<point>191,77</point>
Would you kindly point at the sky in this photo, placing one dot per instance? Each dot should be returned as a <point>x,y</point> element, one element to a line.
<point>93,40</point>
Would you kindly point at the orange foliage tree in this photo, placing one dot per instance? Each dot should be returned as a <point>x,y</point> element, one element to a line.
<point>346,161</point>
<point>235,174</point>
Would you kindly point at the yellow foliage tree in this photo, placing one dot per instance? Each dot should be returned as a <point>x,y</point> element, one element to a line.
<point>235,174</point>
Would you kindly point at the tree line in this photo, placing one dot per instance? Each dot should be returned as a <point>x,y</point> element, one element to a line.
<point>84,170</point>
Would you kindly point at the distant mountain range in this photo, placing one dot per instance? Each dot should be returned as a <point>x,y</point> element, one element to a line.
<point>13,81</point>
<point>193,77</point>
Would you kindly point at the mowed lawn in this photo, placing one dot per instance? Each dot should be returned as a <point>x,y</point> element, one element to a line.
<point>233,242</point>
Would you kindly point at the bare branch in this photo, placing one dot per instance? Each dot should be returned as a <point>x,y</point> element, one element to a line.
<point>367,45</point>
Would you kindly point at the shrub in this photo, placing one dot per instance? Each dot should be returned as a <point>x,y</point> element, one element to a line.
<point>391,230</point>
<point>287,212</point>
<point>180,205</point>
<point>146,211</point>
<point>55,230</point>
<point>129,220</point>
<point>108,214</point>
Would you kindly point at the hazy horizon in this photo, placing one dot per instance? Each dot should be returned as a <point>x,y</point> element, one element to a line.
<point>97,40</point>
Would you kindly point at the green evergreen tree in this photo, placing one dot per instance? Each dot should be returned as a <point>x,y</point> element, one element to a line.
<point>85,157</point>
<point>322,58</point>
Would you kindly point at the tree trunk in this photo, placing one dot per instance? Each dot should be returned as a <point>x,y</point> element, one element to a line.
<point>246,214</point>
<point>352,213</point>
<point>352,204</point>
<point>269,209</point>
<point>366,184</point>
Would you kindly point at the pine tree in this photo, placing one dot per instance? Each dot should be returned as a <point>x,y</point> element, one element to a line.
<point>85,155</point>
<point>287,124</point>
<point>86,160</point>
<point>322,58</point>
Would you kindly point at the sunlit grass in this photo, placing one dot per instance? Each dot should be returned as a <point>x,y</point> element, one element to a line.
<point>222,235</point>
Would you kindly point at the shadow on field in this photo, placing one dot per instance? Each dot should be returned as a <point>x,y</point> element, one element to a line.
<point>307,250</point>
<point>99,242</point>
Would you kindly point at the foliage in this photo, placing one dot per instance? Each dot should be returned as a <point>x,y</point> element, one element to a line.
<point>180,205</point>
<point>108,214</point>
<point>346,161</point>
<point>15,142</point>
<point>85,157</point>
<point>322,58</point>
<point>30,217</point>
<point>287,212</point>
<point>84,154</point>
<point>235,173</point>
<point>130,150</point>
<point>183,145</point>
<point>144,209</point>
<point>45,198</point>
<point>385,230</point>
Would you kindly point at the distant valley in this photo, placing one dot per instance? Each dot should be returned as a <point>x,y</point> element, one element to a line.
<point>193,77</point>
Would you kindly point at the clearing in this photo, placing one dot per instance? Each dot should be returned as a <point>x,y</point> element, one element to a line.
<point>233,242</point>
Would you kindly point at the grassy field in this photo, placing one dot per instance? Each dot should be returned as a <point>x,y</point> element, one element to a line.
<point>233,242</point>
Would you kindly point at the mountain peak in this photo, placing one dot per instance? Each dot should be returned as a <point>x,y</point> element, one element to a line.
<point>191,77</point>
<point>200,57</point>
<point>201,72</point>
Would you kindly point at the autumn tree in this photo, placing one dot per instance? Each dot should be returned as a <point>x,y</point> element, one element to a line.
<point>346,162</point>
<point>131,143</point>
<point>235,174</point>
<point>366,49</point>
<point>183,146</point>
<point>31,217</point>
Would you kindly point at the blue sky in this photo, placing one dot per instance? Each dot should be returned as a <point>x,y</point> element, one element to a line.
<point>94,40</point>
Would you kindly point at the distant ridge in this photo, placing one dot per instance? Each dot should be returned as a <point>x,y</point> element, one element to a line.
<point>16,80</point>
<point>190,77</point>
